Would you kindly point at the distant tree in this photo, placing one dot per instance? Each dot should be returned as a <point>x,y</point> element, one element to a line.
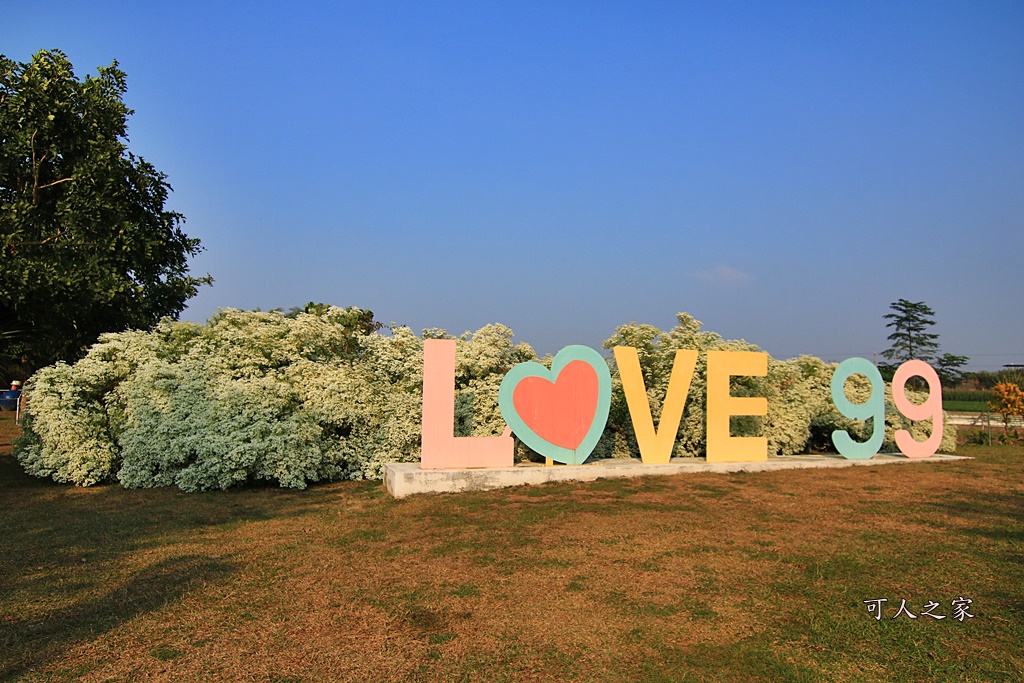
<point>86,245</point>
<point>910,338</point>
<point>947,366</point>
<point>986,379</point>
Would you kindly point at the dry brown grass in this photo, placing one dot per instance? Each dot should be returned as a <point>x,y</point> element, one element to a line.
<point>698,577</point>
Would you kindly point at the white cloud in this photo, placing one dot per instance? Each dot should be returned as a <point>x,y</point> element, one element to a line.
<point>722,275</point>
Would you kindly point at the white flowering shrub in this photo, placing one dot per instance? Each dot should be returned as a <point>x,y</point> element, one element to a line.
<point>322,395</point>
<point>68,434</point>
<point>798,392</point>
<point>251,396</point>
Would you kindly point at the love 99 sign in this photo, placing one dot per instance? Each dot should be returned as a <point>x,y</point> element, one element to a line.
<point>874,408</point>
<point>561,412</point>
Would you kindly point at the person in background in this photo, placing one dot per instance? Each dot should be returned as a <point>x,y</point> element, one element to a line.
<point>9,398</point>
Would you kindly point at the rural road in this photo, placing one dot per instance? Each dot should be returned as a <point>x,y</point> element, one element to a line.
<point>979,419</point>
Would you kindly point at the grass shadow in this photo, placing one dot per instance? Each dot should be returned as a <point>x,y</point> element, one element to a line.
<point>33,640</point>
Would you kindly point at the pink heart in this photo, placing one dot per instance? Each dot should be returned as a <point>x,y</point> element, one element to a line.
<point>562,411</point>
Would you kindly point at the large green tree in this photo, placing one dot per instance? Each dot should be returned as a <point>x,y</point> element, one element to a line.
<point>86,245</point>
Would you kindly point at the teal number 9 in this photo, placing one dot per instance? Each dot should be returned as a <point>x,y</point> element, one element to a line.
<point>873,408</point>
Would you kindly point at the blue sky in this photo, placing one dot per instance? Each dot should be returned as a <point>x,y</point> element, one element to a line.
<point>782,171</point>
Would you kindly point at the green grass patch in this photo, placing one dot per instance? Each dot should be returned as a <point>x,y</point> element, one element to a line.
<point>466,590</point>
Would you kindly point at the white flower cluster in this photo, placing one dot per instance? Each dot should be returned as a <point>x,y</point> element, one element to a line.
<point>249,396</point>
<point>800,408</point>
<point>263,396</point>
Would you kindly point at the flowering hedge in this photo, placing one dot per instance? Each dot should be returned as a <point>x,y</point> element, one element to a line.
<point>262,396</point>
<point>800,408</point>
<point>248,396</point>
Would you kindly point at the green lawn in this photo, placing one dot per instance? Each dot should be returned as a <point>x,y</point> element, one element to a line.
<point>734,577</point>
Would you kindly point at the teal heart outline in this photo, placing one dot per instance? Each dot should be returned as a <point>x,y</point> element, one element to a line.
<point>531,369</point>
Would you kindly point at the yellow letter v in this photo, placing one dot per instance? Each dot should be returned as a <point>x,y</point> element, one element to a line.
<point>655,446</point>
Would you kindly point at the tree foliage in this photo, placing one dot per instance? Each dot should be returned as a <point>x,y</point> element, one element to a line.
<point>1009,402</point>
<point>910,339</point>
<point>86,245</point>
<point>987,379</point>
<point>947,367</point>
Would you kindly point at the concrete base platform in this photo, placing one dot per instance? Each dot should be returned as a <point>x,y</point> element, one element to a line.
<point>406,478</point>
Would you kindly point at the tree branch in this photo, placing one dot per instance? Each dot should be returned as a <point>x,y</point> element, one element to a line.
<point>36,165</point>
<point>35,169</point>
<point>55,182</point>
<point>40,243</point>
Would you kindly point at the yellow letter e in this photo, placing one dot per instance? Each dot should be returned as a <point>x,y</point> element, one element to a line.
<point>721,405</point>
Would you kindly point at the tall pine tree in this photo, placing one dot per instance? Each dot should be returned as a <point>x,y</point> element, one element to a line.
<point>910,338</point>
